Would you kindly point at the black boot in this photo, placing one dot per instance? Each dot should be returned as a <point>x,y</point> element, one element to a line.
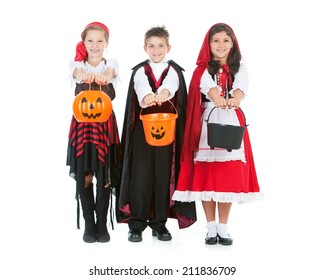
<point>88,207</point>
<point>102,204</point>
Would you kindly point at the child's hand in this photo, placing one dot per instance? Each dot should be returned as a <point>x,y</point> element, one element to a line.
<point>162,96</point>
<point>149,100</point>
<point>88,78</point>
<point>233,102</point>
<point>220,102</point>
<point>106,77</point>
<point>101,79</point>
<point>236,100</point>
<point>79,74</point>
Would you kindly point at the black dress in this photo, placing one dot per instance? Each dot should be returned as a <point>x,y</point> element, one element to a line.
<point>94,148</point>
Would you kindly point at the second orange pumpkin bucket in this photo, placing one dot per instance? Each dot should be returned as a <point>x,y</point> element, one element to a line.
<point>159,128</point>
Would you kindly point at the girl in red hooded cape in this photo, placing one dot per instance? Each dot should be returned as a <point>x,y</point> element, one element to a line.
<point>216,176</point>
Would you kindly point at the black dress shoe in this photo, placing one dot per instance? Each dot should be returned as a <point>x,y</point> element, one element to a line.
<point>211,240</point>
<point>162,234</point>
<point>225,241</point>
<point>135,235</point>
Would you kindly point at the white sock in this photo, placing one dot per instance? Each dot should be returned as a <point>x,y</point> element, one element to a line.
<point>211,226</point>
<point>222,230</point>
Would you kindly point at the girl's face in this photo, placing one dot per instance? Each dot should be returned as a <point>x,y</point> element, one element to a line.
<point>95,43</point>
<point>220,46</point>
<point>157,48</point>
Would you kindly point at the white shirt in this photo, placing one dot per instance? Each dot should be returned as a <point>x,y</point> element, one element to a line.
<point>142,86</point>
<point>241,81</point>
<point>100,68</point>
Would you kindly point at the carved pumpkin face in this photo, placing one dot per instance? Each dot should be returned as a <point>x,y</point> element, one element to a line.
<point>92,106</point>
<point>158,132</point>
<point>159,128</point>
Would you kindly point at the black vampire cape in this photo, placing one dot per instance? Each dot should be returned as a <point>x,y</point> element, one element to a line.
<point>184,212</point>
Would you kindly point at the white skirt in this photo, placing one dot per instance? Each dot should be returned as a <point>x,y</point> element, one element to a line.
<point>222,116</point>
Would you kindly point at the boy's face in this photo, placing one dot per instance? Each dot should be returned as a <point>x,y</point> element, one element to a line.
<point>157,48</point>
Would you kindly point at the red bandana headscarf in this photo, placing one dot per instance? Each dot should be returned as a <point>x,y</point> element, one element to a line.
<point>81,52</point>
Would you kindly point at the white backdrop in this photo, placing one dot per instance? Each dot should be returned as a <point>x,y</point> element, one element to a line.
<point>282,44</point>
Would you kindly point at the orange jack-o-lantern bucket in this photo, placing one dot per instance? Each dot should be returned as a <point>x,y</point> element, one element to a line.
<point>92,106</point>
<point>159,128</point>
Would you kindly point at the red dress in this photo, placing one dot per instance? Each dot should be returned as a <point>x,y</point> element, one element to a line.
<point>224,179</point>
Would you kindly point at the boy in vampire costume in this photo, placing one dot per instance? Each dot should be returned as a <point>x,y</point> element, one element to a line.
<point>150,173</point>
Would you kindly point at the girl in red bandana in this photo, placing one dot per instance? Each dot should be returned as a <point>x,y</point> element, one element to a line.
<point>93,148</point>
<point>217,177</point>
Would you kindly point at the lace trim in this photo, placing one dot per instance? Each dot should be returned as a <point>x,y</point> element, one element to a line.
<point>228,197</point>
<point>208,159</point>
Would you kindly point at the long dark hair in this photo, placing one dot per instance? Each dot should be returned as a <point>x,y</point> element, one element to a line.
<point>234,56</point>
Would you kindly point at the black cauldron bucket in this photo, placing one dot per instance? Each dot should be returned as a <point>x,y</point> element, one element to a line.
<point>224,136</point>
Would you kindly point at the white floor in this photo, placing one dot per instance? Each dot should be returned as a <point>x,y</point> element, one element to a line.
<point>271,241</point>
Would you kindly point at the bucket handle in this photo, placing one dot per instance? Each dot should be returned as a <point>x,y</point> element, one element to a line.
<point>99,87</point>
<point>169,102</point>
<point>237,108</point>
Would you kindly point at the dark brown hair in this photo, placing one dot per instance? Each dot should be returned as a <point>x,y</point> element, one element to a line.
<point>234,56</point>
